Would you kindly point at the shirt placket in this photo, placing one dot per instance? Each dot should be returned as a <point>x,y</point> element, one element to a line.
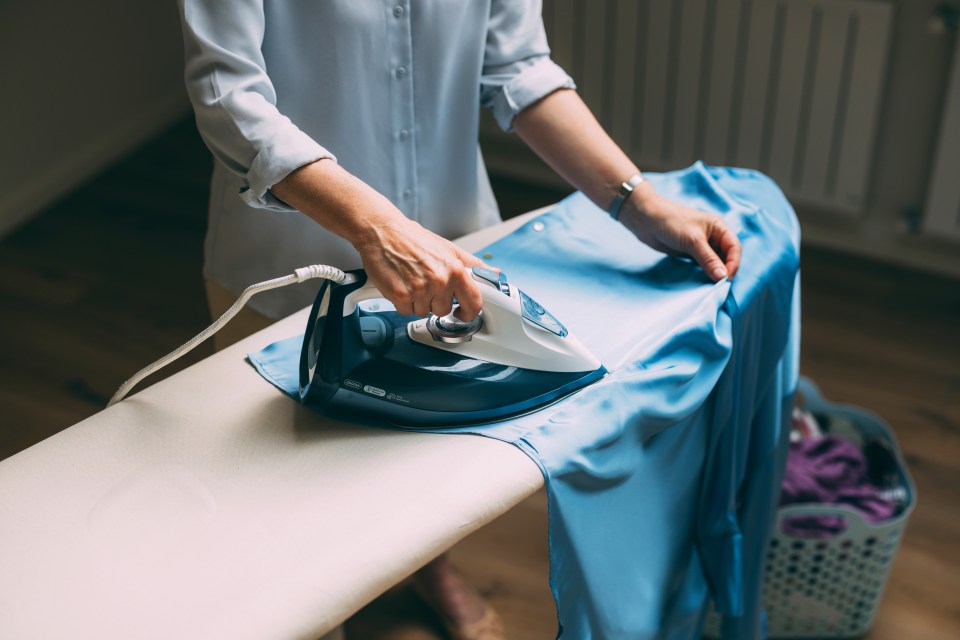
<point>403,126</point>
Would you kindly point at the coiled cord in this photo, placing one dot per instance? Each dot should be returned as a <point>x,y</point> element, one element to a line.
<point>300,275</point>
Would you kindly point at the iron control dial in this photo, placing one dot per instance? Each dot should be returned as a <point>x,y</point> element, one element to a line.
<point>451,329</point>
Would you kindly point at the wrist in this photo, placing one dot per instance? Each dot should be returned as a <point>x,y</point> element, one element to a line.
<point>341,203</point>
<point>371,230</point>
<point>642,201</point>
<point>623,191</point>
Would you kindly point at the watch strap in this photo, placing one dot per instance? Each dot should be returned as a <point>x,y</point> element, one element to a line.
<point>626,189</point>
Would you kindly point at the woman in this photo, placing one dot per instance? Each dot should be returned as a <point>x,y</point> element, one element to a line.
<point>345,132</point>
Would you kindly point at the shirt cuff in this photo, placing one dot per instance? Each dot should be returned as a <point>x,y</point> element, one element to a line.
<point>535,82</point>
<point>285,152</point>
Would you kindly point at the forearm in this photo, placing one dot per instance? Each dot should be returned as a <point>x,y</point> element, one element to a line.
<point>562,131</point>
<point>565,134</point>
<point>417,270</point>
<point>338,201</point>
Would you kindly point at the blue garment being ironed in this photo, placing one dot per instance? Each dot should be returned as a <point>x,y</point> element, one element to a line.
<point>662,478</point>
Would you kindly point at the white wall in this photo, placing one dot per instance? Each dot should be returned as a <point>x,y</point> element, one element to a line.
<point>81,83</point>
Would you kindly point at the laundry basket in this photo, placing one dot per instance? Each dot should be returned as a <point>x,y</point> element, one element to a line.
<point>831,587</point>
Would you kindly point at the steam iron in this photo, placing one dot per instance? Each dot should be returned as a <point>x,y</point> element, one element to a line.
<point>515,357</point>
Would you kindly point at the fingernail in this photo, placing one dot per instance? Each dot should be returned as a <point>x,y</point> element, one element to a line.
<point>718,273</point>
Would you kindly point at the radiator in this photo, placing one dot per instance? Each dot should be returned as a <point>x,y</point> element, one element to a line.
<point>793,88</point>
<point>942,216</point>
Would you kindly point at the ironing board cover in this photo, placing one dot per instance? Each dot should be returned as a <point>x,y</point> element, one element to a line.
<point>662,478</point>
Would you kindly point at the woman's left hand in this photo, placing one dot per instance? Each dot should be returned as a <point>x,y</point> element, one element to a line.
<point>678,230</point>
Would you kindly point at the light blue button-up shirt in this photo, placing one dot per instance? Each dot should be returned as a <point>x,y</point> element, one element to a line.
<point>389,89</point>
<point>663,477</point>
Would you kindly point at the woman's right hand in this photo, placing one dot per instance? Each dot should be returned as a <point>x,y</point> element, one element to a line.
<point>415,269</point>
<point>420,272</point>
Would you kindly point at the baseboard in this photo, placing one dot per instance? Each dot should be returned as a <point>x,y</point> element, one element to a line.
<point>29,198</point>
<point>918,253</point>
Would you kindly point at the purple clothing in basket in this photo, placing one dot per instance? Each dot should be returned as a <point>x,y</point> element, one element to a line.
<point>829,470</point>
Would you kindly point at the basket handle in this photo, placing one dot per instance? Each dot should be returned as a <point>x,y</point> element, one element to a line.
<point>813,399</point>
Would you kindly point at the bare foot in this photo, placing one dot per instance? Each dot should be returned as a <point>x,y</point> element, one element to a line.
<point>453,598</point>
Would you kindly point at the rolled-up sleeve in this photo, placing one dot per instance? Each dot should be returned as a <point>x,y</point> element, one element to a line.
<point>235,101</point>
<point>517,69</point>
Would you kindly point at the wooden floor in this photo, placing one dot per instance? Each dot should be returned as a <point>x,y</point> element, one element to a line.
<point>109,279</point>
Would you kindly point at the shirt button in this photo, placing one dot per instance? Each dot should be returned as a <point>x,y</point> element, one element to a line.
<point>404,134</point>
<point>407,192</point>
<point>397,11</point>
<point>401,71</point>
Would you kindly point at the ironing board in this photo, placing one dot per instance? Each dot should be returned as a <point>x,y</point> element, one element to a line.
<point>196,509</point>
<point>210,505</point>
<point>680,448</point>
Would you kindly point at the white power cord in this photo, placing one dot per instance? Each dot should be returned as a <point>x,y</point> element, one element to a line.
<point>300,275</point>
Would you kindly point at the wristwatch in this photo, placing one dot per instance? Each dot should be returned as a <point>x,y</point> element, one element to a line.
<point>626,189</point>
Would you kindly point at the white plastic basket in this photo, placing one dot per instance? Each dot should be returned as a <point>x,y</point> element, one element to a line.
<point>831,587</point>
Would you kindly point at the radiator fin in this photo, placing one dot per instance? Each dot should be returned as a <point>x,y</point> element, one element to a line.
<point>942,215</point>
<point>790,87</point>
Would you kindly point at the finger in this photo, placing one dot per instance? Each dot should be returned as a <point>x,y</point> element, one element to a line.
<point>468,295</point>
<point>421,310</point>
<point>728,247</point>
<point>468,260</point>
<point>421,306</point>
<point>441,305</point>
<point>726,244</point>
<point>403,304</point>
<point>708,260</point>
